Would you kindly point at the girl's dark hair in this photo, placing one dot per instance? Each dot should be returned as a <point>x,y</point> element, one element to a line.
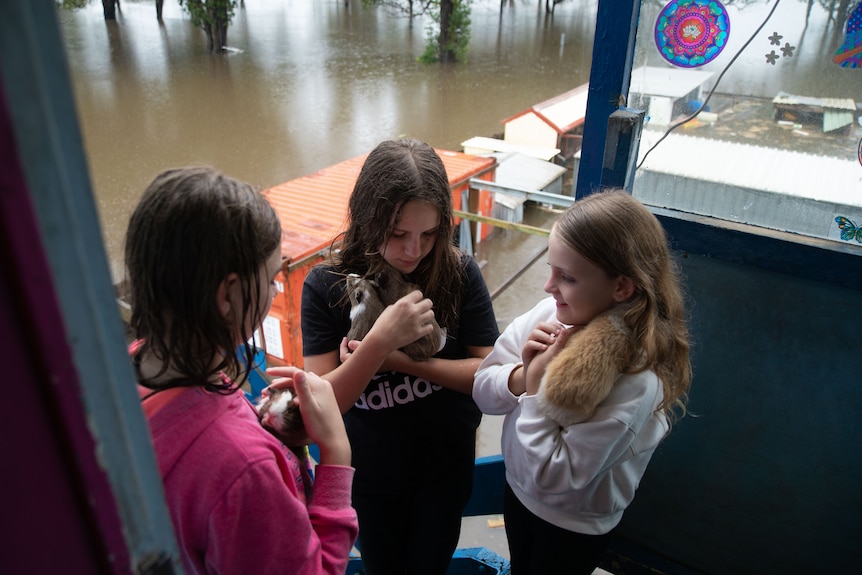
<point>192,228</point>
<point>621,236</point>
<point>394,173</point>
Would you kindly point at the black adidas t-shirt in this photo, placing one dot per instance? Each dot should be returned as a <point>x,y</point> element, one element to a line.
<point>400,421</point>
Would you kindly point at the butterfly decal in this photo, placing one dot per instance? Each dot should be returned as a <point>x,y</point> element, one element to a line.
<point>849,230</point>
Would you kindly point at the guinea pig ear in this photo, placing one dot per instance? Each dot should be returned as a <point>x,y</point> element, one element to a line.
<point>381,279</point>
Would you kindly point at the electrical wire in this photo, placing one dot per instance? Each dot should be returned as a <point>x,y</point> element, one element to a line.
<point>711,90</point>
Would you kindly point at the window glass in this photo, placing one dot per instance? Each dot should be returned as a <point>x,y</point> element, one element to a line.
<point>776,86</point>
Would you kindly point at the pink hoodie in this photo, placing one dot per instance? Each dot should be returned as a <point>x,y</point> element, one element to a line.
<point>235,493</point>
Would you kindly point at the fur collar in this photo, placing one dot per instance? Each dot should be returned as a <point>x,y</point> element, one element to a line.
<point>584,372</point>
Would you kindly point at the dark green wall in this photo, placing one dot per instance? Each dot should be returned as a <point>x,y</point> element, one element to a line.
<point>764,475</point>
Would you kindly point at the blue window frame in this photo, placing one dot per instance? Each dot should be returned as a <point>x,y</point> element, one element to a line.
<point>610,76</point>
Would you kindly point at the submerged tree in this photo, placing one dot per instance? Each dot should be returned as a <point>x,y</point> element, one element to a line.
<point>550,5</point>
<point>448,35</point>
<point>109,9</point>
<point>213,17</point>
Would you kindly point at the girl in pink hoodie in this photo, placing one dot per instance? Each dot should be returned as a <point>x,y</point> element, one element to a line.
<point>202,252</point>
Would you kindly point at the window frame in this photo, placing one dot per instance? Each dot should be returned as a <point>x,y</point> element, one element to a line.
<point>610,74</point>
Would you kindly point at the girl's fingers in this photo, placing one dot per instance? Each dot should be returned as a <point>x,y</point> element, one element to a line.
<point>301,387</point>
<point>282,377</point>
<point>541,337</point>
<point>278,383</point>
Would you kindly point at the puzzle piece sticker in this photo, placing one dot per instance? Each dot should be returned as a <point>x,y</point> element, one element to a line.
<point>691,33</point>
<point>849,55</point>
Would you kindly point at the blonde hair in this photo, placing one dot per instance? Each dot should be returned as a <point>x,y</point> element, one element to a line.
<point>620,235</point>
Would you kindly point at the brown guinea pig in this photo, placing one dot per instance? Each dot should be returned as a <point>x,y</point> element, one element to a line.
<point>368,299</point>
<point>279,414</point>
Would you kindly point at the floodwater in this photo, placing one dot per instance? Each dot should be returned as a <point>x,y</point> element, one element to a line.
<point>309,83</point>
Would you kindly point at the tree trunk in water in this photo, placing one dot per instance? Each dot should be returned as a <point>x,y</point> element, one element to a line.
<point>220,34</point>
<point>159,5</point>
<point>209,32</point>
<point>213,17</point>
<point>217,35</point>
<point>550,5</point>
<point>446,53</point>
<point>109,7</point>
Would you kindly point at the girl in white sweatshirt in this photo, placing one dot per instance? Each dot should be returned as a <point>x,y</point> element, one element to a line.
<point>582,420</point>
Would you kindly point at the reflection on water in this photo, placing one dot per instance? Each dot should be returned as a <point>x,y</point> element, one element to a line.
<point>308,84</point>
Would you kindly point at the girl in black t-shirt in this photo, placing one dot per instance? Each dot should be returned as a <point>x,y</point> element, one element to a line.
<point>412,424</point>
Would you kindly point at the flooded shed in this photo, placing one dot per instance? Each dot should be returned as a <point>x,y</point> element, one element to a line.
<point>554,123</point>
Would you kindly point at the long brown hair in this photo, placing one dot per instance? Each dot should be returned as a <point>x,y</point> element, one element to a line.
<point>620,235</point>
<point>191,229</point>
<point>394,173</point>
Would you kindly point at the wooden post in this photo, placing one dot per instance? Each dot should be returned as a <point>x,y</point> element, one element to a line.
<point>621,148</point>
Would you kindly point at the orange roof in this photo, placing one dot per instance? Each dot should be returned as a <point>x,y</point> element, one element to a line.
<point>313,208</point>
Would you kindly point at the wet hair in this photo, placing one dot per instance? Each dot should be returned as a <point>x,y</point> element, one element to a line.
<point>394,173</point>
<point>191,229</point>
<point>621,236</point>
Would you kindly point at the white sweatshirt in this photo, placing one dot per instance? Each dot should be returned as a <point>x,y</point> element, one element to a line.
<point>583,476</point>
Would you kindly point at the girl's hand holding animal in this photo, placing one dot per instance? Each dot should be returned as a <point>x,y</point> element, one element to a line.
<point>320,412</point>
<point>401,323</point>
<point>544,343</point>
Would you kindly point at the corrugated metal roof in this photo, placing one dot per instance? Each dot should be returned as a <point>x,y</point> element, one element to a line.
<point>757,167</point>
<point>773,188</point>
<point>489,145</point>
<point>313,208</point>
<point>515,170</point>
<point>668,82</point>
<point>786,99</point>
<point>837,112</point>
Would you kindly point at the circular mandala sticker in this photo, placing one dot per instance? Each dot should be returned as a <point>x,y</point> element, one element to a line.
<point>691,33</point>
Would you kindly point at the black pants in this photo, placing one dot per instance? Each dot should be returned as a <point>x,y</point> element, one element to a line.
<point>413,527</point>
<point>538,548</point>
